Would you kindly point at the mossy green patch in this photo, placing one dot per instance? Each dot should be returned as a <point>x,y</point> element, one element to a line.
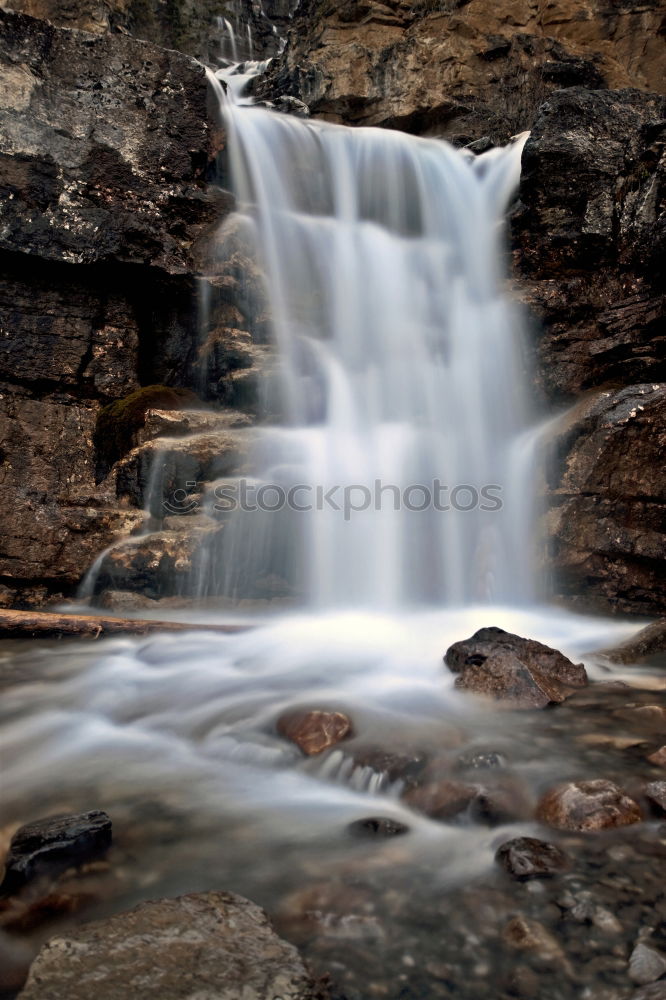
<point>118,423</point>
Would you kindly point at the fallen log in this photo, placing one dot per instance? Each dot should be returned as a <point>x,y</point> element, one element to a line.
<point>49,625</point>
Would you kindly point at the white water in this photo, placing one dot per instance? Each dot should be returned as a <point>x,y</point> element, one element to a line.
<point>401,365</point>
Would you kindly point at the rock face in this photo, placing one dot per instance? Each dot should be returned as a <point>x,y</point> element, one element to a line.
<point>186,25</point>
<point>589,253</point>
<point>607,524</point>
<point>105,145</point>
<point>464,69</point>
<point>208,946</point>
<point>508,668</point>
<point>588,806</point>
<point>49,846</point>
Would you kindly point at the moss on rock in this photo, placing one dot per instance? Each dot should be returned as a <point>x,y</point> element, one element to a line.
<point>117,424</point>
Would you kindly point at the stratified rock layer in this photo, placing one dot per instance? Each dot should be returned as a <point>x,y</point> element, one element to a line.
<point>208,946</point>
<point>463,69</point>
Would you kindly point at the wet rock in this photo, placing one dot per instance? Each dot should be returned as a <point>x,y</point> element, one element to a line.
<point>314,730</point>
<point>646,964</point>
<point>51,845</point>
<point>658,757</point>
<point>441,799</point>
<point>646,643</point>
<point>606,519</point>
<point>588,806</point>
<point>377,826</point>
<point>504,801</point>
<point>291,106</point>
<point>655,791</point>
<point>525,934</point>
<point>650,718</point>
<point>508,668</point>
<point>480,760</point>
<point>527,857</point>
<point>213,944</point>
<point>396,765</point>
<point>481,145</point>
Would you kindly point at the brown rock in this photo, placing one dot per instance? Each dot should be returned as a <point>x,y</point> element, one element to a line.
<point>588,806</point>
<point>462,72</point>
<point>524,934</point>
<point>506,667</point>
<point>649,641</point>
<point>441,799</point>
<point>396,765</point>
<point>658,757</point>
<point>377,826</point>
<point>527,857</point>
<point>314,730</point>
<point>211,945</point>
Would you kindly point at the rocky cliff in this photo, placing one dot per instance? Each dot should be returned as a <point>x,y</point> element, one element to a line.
<point>463,69</point>
<point>106,147</point>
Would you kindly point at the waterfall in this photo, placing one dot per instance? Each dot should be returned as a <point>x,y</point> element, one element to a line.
<point>401,369</point>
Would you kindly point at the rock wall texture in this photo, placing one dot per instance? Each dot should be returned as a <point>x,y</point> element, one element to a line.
<point>464,68</point>
<point>589,235</point>
<point>103,155</point>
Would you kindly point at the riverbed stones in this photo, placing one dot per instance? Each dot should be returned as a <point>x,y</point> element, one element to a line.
<point>655,791</point>
<point>508,668</point>
<point>527,857</point>
<point>49,846</point>
<point>658,757</point>
<point>646,964</point>
<point>588,806</point>
<point>206,946</point>
<point>314,730</point>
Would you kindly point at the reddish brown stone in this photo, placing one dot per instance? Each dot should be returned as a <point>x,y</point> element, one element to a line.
<point>588,806</point>
<point>658,757</point>
<point>526,857</point>
<point>315,730</point>
<point>441,799</point>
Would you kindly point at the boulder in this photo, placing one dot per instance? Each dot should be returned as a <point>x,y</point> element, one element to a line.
<point>314,730</point>
<point>521,672</point>
<point>212,946</point>
<point>49,846</point>
<point>526,857</point>
<point>650,641</point>
<point>588,806</point>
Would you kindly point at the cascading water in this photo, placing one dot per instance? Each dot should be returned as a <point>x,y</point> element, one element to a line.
<point>400,367</point>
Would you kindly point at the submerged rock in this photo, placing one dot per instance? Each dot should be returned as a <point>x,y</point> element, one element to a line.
<point>378,826</point>
<point>441,799</point>
<point>527,857</point>
<point>588,806</point>
<point>655,791</point>
<point>204,945</point>
<point>314,730</point>
<point>506,667</point>
<point>49,846</point>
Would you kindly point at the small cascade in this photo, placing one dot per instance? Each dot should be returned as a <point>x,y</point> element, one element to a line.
<point>396,473</point>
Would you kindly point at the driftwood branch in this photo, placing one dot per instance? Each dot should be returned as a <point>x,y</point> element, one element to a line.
<point>42,624</point>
